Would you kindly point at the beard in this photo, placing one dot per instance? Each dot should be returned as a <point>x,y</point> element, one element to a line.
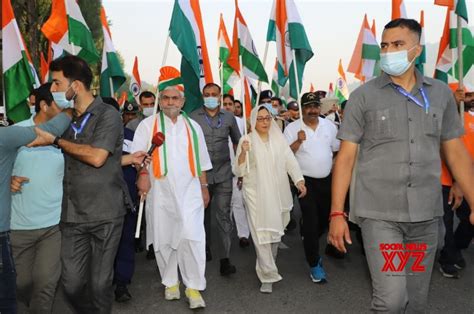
<point>171,112</point>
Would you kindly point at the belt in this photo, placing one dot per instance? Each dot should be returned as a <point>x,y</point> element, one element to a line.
<point>4,234</point>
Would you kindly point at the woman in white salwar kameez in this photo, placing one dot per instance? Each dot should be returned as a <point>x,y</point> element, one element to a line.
<point>266,189</point>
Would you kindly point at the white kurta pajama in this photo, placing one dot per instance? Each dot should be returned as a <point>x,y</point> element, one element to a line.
<point>267,194</point>
<point>174,206</point>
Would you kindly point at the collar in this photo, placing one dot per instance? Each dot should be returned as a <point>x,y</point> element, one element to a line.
<point>384,80</point>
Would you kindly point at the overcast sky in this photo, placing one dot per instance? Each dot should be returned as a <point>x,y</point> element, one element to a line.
<point>139,28</point>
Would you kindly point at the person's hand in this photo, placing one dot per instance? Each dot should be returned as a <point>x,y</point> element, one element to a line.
<point>143,182</point>
<point>16,183</point>
<point>245,146</point>
<point>205,196</point>
<point>459,95</point>
<point>139,157</point>
<point>43,138</point>
<point>471,217</point>
<point>301,188</point>
<point>301,136</point>
<point>339,233</point>
<point>455,194</point>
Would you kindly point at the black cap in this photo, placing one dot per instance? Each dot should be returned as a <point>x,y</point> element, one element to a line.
<point>310,98</point>
<point>130,107</point>
<point>292,105</point>
<point>320,94</point>
<point>266,94</point>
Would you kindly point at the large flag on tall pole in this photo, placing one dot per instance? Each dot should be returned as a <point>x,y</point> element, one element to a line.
<point>111,75</point>
<point>341,92</point>
<point>365,58</point>
<point>243,48</point>
<point>67,28</point>
<point>286,29</point>
<point>447,57</point>
<point>187,32</point>
<point>135,81</point>
<point>228,76</point>
<point>398,9</point>
<point>421,60</point>
<point>18,78</point>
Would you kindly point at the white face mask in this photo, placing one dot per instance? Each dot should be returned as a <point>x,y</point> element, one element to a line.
<point>61,100</point>
<point>395,63</point>
<point>148,111</point>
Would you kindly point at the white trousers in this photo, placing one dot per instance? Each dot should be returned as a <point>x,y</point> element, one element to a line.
<point>189,258</point>
<point>238,210</point>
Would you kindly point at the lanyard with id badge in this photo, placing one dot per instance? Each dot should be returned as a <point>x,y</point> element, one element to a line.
<point>426,101</point>
<point>78,130</point>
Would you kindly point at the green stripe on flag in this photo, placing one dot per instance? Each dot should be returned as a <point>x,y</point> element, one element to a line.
<point>371,52</point>
<point>252,62</point>
<point>168,83</point>
<point>80,36</point>
<point>114,71</point>
<point>461,9</point>
<point>442,76</point>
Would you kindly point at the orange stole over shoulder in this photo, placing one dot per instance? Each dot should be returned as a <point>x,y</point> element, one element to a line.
<point>159,156</point>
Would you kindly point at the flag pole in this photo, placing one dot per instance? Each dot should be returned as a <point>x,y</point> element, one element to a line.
<point>3,107</point>
<point>297,88</point>
<point>111,87</point>
<point>222,83</point>
<point>460,66</point>
<point>259,88</point>
<point>155,109</point>
<point>244,108</point>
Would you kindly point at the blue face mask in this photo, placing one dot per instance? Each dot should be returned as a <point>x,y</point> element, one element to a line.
<point>61,100</point>
<point>395,63</point>
<point>211,102</point>
<point>270,109</point>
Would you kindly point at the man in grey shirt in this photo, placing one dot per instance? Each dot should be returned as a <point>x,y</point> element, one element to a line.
<point>12,138</point>
<point>401,120</point>
<point>218,125</point>
<point>147,103</point>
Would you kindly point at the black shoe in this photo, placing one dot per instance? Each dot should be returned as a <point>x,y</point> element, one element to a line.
<point>291,225</point>
<point>333,252</point>
<point>208,254</point>
<point>449,271</point>
<point>227,268</point>
<point>150,254</point>
<point>244,242</point>
<point>460,264</point>
<point>139,247</point>
<point>122,294</point>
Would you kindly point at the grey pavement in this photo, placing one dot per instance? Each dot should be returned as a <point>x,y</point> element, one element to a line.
<point>348,289</point>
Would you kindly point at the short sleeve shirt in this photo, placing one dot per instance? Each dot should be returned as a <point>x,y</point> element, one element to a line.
<point>217,131</point>
<point>398,166</point>
<point>93,194</point>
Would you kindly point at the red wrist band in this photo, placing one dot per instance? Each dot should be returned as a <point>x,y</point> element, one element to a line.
<point>335,214</point>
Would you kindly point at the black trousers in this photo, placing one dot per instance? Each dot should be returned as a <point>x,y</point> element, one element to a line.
<point>455,240</point>
<point>88,252</point>
<point>125,259</point>
<point>315,207</point>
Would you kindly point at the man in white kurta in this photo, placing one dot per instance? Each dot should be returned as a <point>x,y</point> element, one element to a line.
<point>175,207</point>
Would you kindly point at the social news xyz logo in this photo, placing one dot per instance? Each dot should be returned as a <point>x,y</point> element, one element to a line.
<point>403,252</point>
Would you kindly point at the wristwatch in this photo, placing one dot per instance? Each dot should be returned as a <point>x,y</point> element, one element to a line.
<point>56,141</point>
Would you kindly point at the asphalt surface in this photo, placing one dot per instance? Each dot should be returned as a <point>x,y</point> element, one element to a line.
<point>348,289</point>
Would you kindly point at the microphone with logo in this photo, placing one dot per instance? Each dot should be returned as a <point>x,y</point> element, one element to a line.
<point>157,140</point>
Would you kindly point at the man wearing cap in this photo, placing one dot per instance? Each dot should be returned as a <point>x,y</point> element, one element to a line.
<point>293,111</point>
<point>218,125</point>
<point>266,97</point>
<point>399,121</point>
<point>147,103</point>
<point>177,192</point>
<point>313,140</point>
<point>129,112</point>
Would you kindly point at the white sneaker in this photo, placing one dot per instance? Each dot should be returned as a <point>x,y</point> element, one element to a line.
<point>195,299</point>
<point>172,293</point>
<point>266,287</point>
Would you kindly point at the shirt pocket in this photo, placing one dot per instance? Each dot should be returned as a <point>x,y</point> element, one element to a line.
<point>381,124</point>
<point>432,122</point>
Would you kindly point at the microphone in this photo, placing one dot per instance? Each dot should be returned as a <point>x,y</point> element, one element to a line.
<point>157,140</point>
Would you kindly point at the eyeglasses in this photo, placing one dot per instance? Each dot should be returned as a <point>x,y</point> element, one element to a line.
<point>266,118</point>
<point>167,98</point>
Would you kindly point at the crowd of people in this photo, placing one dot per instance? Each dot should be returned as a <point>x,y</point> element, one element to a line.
<point>394,160</point>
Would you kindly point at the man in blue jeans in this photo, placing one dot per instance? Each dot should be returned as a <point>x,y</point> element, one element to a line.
<point>12,138</point>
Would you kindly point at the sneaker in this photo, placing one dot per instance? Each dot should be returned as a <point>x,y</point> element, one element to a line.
<point>195,299</point>
<point>172,293</point>
<point>317,272</point>
<point>449,271</point>
<point>460,264</point>
<point>122,294</point>
<point>266,287</point>
<point>227,268</point>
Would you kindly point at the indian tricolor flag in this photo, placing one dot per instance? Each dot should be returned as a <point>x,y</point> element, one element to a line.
<point>187,32</point>
<point>342,92</point>
<point>135,81</point>
<point>286,29</point>
<point>67,28</point>
<point>421,60</point>
<point>228,76</point>
<point>398,9</point>
<point>18,77</point>
<point>244,48</point>
<point>111,75</point>
<point>365,58</point>
<point>447,53</point>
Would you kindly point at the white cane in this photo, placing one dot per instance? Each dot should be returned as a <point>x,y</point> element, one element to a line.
<point>140,215</point>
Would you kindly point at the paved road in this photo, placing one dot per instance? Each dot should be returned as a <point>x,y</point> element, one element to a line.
<point>348,289</point>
